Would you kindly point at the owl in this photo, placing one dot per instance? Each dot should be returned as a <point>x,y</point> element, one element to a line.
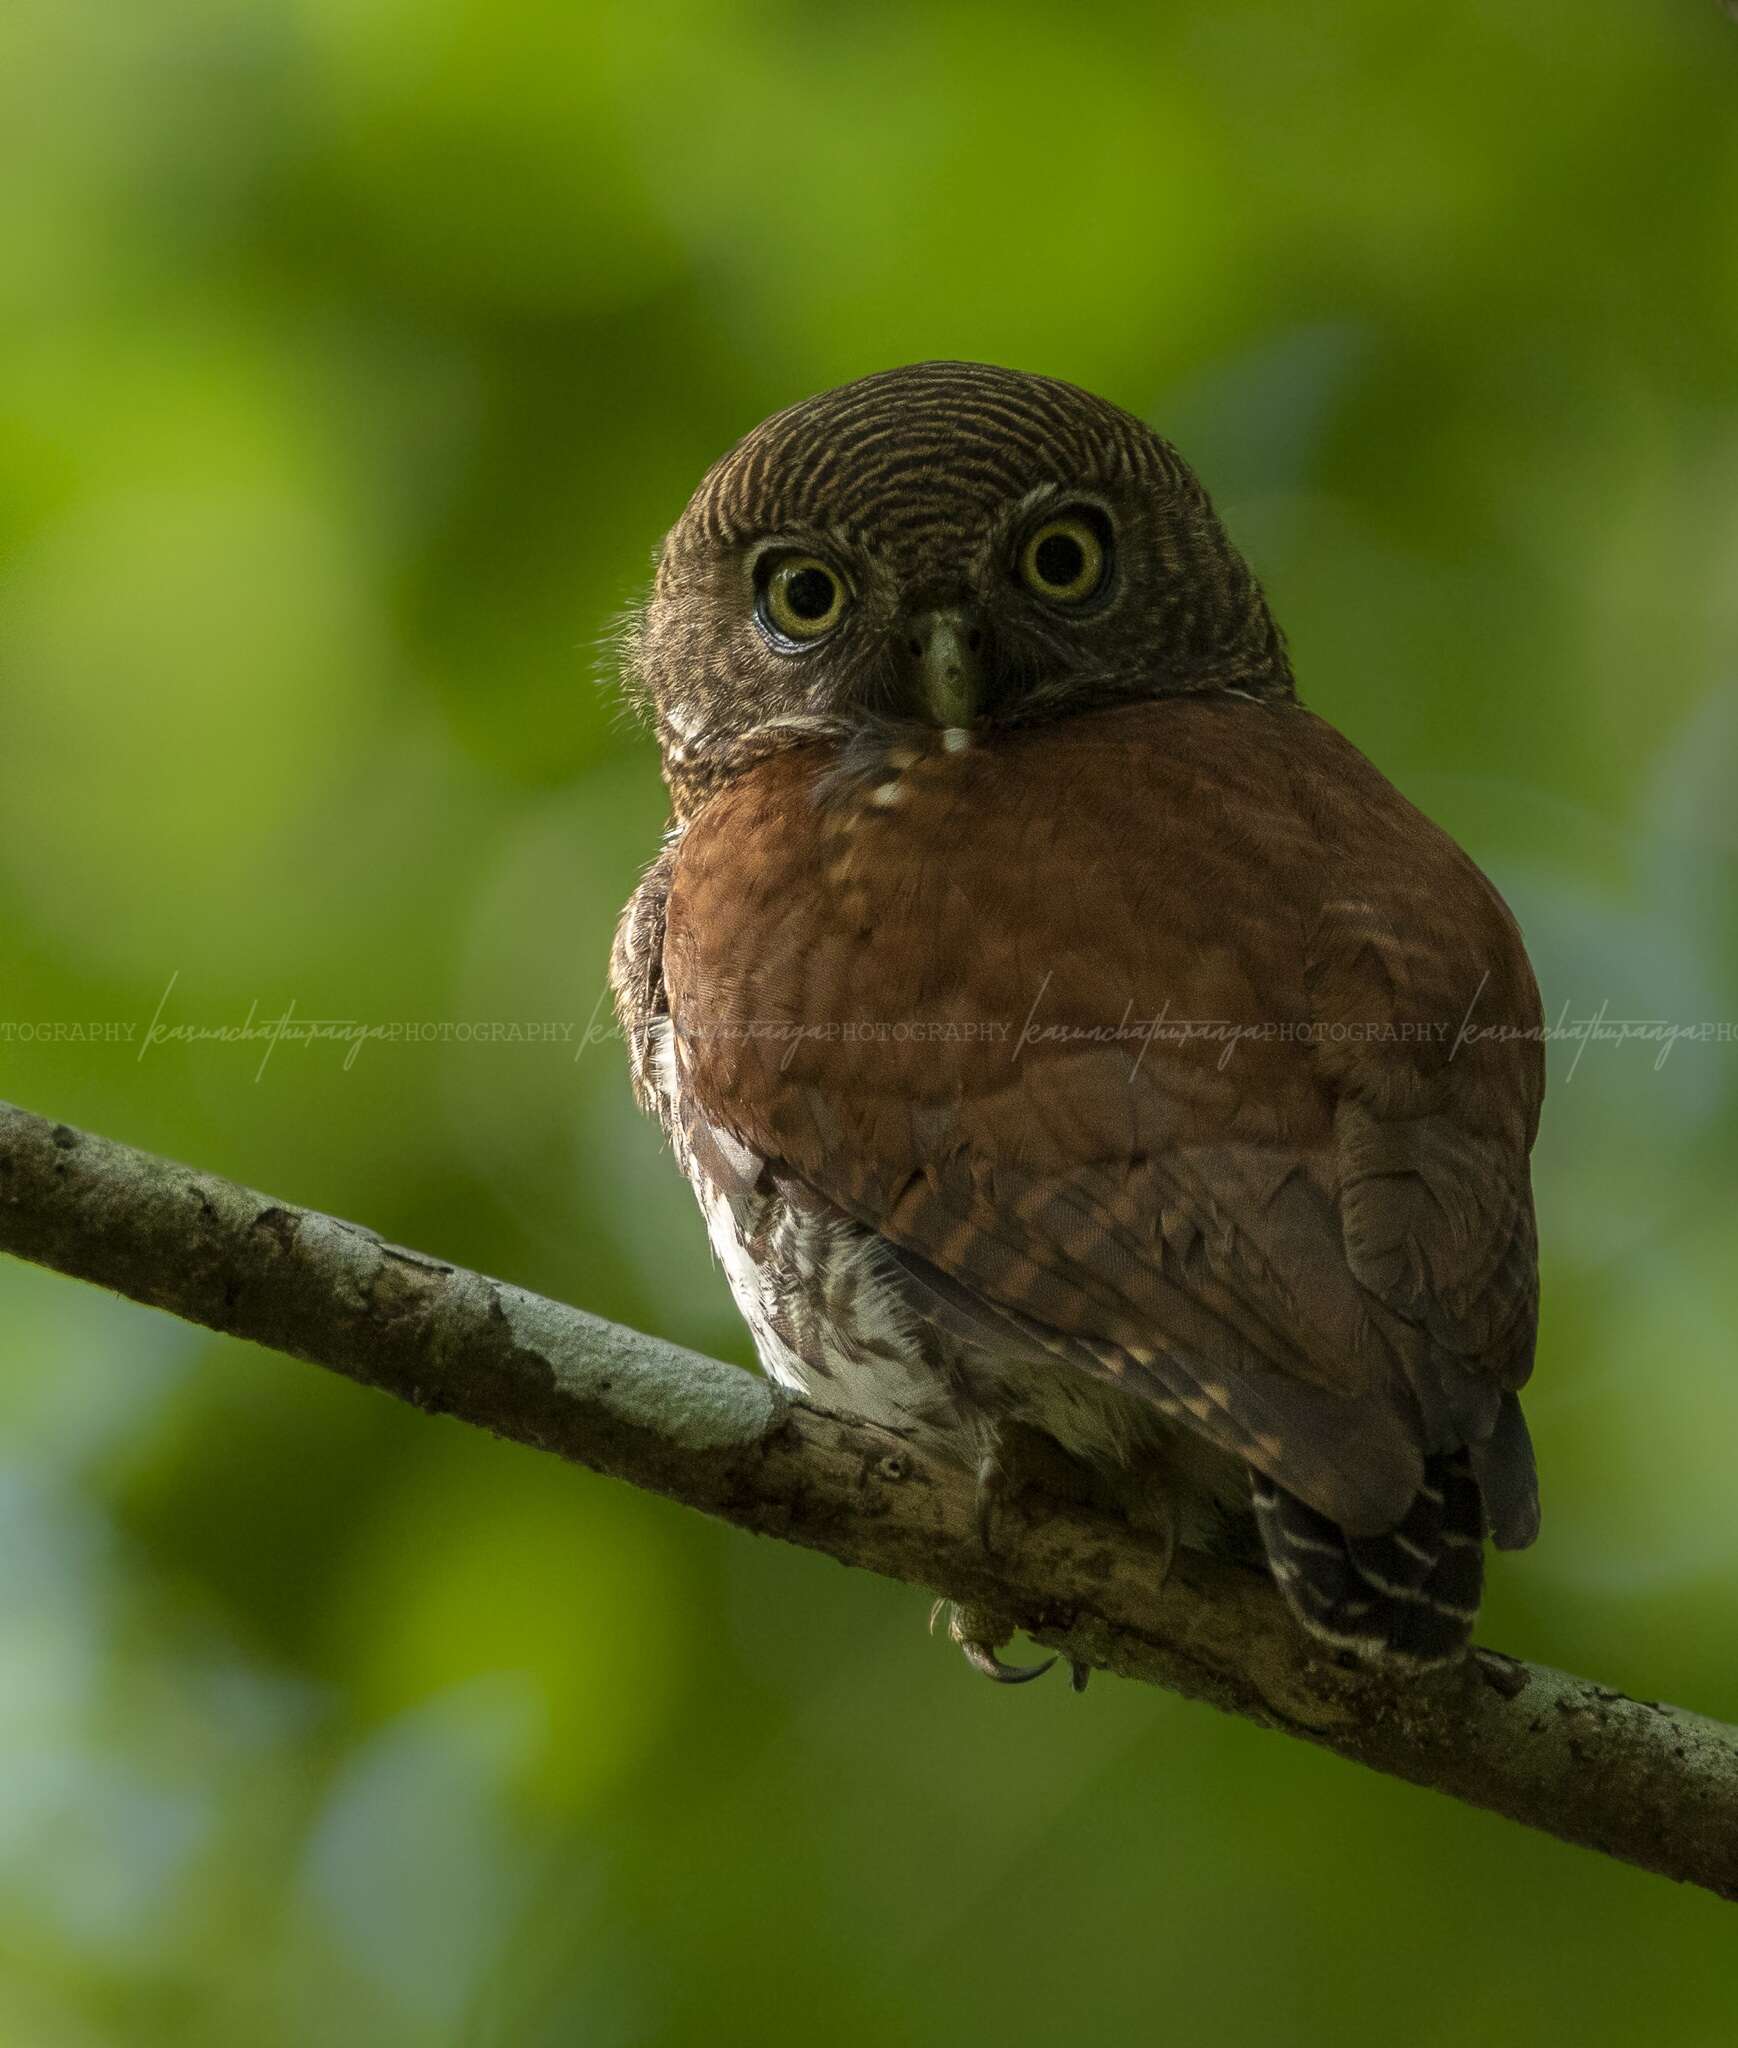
<point>1089,1067</point>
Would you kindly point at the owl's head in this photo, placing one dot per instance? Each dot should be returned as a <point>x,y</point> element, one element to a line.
<point>949,544</point>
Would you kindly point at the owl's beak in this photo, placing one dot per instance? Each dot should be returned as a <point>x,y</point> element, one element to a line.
<point>948,651</point>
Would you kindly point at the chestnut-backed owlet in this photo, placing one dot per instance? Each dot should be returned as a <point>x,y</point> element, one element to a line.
<point>1067,1034</point>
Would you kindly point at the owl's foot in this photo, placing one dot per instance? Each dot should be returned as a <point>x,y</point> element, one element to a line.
<point>1015,1458</point>
<point>980,1633</point>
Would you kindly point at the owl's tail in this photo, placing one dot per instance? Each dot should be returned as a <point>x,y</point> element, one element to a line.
<point>1409,1596</point>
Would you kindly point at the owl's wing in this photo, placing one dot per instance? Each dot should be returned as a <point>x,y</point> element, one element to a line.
<point>1175,1040</point>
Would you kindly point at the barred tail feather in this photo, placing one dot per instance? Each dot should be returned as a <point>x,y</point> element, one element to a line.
<point>1408,1596</point>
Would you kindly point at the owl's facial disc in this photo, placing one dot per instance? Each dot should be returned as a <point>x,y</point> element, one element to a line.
<point>936,643</point>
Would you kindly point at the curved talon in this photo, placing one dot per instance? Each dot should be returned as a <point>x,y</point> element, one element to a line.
<point>978,1632</point>
<point>982,1658</point>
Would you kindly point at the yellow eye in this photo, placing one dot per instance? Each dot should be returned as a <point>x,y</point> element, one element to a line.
<point>1063,560</point>
<point>802,598</point>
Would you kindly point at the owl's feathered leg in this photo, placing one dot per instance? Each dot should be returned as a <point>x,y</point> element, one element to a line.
<point>1153,1510</point>
<point>1015,1458</point>
<point>1001,1478</point>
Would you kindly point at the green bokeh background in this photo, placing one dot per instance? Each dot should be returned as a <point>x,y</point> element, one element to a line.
<point>353,355</point>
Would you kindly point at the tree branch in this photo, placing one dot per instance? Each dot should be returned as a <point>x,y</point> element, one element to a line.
<point>1652,1784</point>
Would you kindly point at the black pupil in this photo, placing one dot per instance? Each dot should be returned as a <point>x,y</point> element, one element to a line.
<point>809,593</point>
<point>1059,559</point>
